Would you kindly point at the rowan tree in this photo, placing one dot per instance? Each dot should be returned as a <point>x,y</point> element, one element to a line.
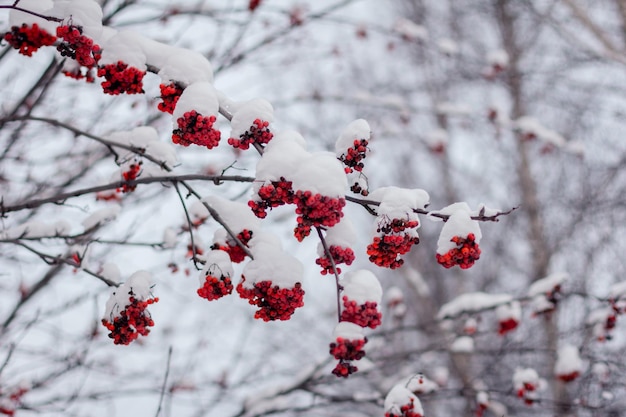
<point>138,157</point>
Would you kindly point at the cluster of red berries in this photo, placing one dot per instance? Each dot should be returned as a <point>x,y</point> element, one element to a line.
<point>385,250</point>
<point>272,195</point>
<point>197,129</point>
<point>464,255</point>
<point>356,188</point>
<point>527,392</point>
<point>353,158</point>
<point>253,4</point>
<point>28,39</point>
<point>407,410</point>
<point>133,172</point>
<point>274,303</point>
<point>395,239</point>
<point>340,256</point>
<point>121,78</point>
<point>569,377</point>
<point>235,252</point>
<point>347,351</point>
<point>14,397</point>
<point>133,321</point>
<point>506,325</point>
<point>259,133</point>
<point>364,315</point>
<point>214,287</point>
<point>315,210</point>
<point>77,46</point>
<point>170,93</point>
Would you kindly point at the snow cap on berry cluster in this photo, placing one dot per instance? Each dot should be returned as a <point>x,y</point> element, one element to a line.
<point>18,18</point>
<point>181,65</point>
<point>362,286</point>
<point>399,203</point>
<point>236,215</point>
<point>147,139</point>
<point>358,129</point>
<point>459,224</point>
<point>342,234</point>
<point>246,113</point>
<point>401,402</point>
<point>138,283</point>
<point>281,158</point>
<point>84,13</point>
<point>508,315</point>
<point>547,285</point>
<point>568,365</point>
<point>272,264</point>
<point>217,264</point>
<point>348,331</point>
<point>320,173</point>
<point>123,46</point>
<point>420,384</point>
<point>201,97</point>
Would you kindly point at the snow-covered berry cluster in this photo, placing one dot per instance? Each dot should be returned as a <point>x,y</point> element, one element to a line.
<point>231,247</point>
<point>215,278</point>
<point>121,78</point>
<point>464,254</point>
<point>569,365</point>
<point>459,238</point>
<point>258,132</point>
<point>364,315</point>
<point>315,210</point>
<point>508,316</point>
<point>395,238</point>
<point>339,255</point>
<point>353,156</point>
<point>347,347</point>
<point>170,93</point>
<point>129,174</point>
<point>401,402</point>
<point>126,316</point>
<point>397,224</point>
<point>273,194</point>
<point>27,39</point>
<point>546,292</point>
<point>194,128</point>
<point>77,46</point>
<point>274,303</point>
<point>527,383</point>
<point>11,398</point>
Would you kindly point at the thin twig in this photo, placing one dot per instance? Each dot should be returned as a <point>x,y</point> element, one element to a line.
<point>335,272</point>
<point>167,373</point>
<point>190,226</point>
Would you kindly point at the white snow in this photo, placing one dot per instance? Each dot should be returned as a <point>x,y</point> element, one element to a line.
<point>568,361</point>
<point>281,158</point>
<point>101,216</point>
<point>482,398</point>
<point>122,47</point>
<point>217,264</point>
<point>85,13</point>
<point>472,303</point>
<point>419,384</point>
<point>436,137</point>
<point>511,310</point>
<point>138,284</point>
<point>348,331</point>
<point>147,138</point>
<point>272,264</point>
<point>362,286</point>
<point>198,212</point>
<point>199,96</point>
<point>411,30</point>
<point>525,376</point>
<point>181,65</point>
<point>459,223</point>
<point>448,46</point>
<point>498,57</point>
<point>357,130</point>
<point>400,396</point>
<point>548,284</point>
<point>342,234</point>
<point>320,173</point>
<point>529,125</point>
<point>111,272</point>
<point>462,344</point>
<point>236,215</point>
<point>398,203</point>
<point>417,281</point>
<point>17,18</point>
<point>247,113</point>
